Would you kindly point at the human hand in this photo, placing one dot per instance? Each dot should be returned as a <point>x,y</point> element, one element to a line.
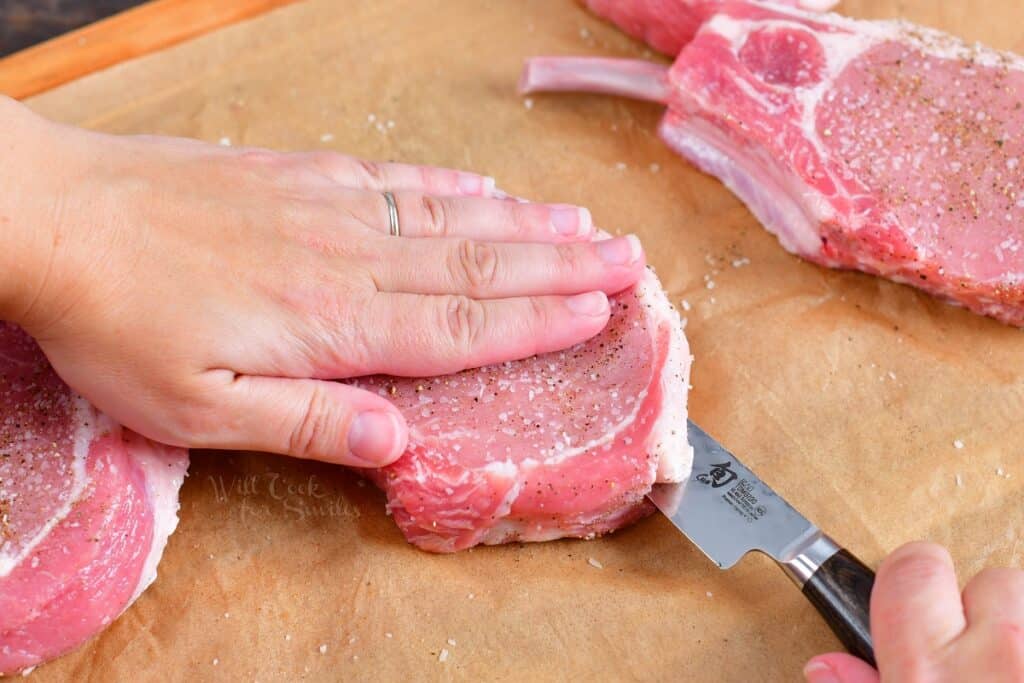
<point>202,295</point>
<point>926,631</point>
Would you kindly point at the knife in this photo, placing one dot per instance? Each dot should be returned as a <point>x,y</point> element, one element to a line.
<point>726,511</point>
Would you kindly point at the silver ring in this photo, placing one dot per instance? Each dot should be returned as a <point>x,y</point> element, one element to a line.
<point>393,228</point>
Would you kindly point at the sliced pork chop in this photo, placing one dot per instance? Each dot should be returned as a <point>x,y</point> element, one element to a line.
<point>85,510</point>
<point>878,146</point>
<point>560,445</point>
<point>668,25</point>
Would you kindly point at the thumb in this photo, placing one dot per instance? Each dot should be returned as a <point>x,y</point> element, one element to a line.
<point>313,419</point>
<point>839,667</point>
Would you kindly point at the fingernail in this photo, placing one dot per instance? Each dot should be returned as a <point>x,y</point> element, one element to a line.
<point>570,220</point>
<point>819,672</point>
<point>620,251</point>
<point>472,184</point>
<point>373,438</point>
<point>591,304</point>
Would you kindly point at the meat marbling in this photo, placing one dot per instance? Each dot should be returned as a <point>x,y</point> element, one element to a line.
<point>85,510</point>
<point>560,445</point>
<point>667,25</point>
<point>878,146</point>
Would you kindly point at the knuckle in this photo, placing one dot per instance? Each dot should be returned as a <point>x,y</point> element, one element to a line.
<point>259,157</point>
<point>313,432</point>
<point>191,417</point>
<point>540,316</point>
<point>464,321</point>
<point>371,173</point>
<point>475,266</point>
<point>569,258</point>
<point>436,216</point>
<point>518,217</point>
<point>915,564</point>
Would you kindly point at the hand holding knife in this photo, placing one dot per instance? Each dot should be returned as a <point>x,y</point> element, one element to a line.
<point>727,511</point>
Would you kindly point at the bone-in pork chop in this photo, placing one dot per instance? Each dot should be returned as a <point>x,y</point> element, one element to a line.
<point>878,146</point>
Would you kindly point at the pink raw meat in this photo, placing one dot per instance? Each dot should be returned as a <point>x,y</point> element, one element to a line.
<point>560,445</point>
<point>878,146</point>
<point>85,510</point>
<point>668,25</point>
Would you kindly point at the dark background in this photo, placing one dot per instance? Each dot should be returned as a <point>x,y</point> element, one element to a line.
<point>27,22</point>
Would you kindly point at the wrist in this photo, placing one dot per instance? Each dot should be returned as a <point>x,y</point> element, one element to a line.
<point>30,201</point>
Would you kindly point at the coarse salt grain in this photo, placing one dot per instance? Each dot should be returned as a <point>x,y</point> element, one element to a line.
<point>216,661</point>
<point>959,481</point>
<point>326,137</point>
<point>451,641</point>
<point>958,444</point>
<point>528,103</point>
<point>686,305</point>
<point>594,563</point>
<point>709,594</point>
<point>443,657</point>
<point>225,142</point>
<point>389,635</point>
<point>323,649</point>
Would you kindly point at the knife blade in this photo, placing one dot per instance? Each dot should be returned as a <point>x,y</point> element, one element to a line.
<point>727,512</point>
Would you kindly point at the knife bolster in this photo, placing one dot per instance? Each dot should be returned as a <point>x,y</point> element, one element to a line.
<point>809,559</point>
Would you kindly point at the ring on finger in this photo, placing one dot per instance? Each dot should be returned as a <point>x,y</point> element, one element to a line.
<point>394,229</point>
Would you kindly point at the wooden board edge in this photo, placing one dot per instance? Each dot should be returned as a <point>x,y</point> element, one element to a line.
<point>135,32</point>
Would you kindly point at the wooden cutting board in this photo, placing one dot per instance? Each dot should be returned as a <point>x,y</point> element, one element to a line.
<point>845,392</point>
<point>139,31</point>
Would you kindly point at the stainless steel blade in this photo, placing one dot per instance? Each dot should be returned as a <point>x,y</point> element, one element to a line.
<point>727,511</point>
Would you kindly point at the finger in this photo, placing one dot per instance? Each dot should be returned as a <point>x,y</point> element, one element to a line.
<point>915,607</point>
<point>311,419</point>
<point>379,176</point>
<point>417,336</point>
<point>488,270</point>
<point>839,667</point>
<point>497,220</point>
<point>995,596</point>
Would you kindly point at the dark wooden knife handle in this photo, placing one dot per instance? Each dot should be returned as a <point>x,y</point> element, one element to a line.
<point>841,591</point>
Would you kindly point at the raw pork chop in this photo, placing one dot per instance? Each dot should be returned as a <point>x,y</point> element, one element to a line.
<point>668,25</point>
<point>878,146</point>
<point>563,444</point>
<point>85,510</point>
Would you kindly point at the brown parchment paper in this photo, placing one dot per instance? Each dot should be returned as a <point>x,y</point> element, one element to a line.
<point>846,393</point>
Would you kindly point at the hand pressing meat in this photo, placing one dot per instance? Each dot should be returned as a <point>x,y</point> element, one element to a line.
<point>206,297</point>
<point>202,295</point>
<point>925,629</point>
